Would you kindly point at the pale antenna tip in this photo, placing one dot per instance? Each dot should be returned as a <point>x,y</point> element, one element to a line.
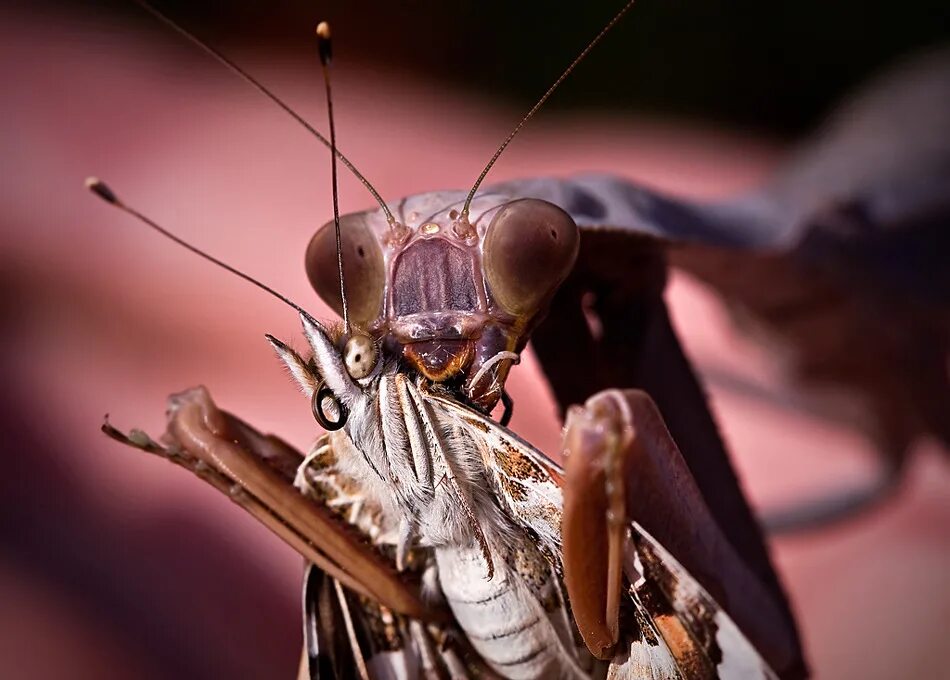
<point>100,189</point>
<point>323,42</point>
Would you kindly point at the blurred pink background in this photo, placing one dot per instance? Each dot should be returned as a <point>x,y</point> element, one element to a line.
<point>114,564</point>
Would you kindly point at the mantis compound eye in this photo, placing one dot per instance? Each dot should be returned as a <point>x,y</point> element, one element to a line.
<point>362,262</point>
<point>529,249</point>
<point>323,400</point>
<point>360,355</point>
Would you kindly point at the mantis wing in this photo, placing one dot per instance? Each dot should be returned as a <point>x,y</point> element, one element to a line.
<point>704,640</point>
<point>350,636</point>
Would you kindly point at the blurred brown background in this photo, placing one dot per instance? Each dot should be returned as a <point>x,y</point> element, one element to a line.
<point>113,564</point>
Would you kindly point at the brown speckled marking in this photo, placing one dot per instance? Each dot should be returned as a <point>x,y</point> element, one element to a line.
<point>514,489</point>
<point>529,564</point>
<point>551,514</point>
<point>477,424</point>
<point>691,657</point>
<point>518,466</point>
<point>645,628</point>
<point>698,615</point>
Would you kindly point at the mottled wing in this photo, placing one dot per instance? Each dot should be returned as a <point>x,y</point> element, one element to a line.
<point>702,638</point>
<point>672,628</point>
<point>326,640</point>
<point>526,483</point>
<point>642,652</point>
<point>348,636</point>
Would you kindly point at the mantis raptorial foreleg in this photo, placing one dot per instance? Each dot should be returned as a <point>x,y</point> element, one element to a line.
<point>257,471</point>
<point>623,467</point>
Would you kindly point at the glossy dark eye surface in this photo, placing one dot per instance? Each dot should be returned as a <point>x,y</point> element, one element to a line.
<point>362,265</point>
<point>529,249</point>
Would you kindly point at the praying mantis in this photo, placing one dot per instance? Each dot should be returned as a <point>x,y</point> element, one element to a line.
<point>445,544</point>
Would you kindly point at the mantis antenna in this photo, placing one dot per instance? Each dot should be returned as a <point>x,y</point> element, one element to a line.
<point>534,109</point>
<point>102,190</point>
<point>325,49</point>
<point>273,97</point>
